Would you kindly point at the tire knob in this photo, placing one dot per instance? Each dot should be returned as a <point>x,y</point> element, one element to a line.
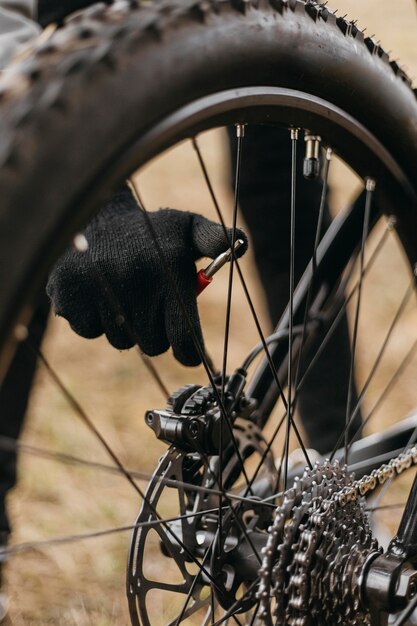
<point>312,163</point>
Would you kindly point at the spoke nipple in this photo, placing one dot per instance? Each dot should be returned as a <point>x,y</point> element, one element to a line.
<point>240,130</point>
<point>21,332</point>
<point>370,184</point>
<point>329,153</point>
<point>80,243</point>
<point>294,134</point>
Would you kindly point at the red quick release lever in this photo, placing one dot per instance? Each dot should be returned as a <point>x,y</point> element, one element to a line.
<point>205,277</point>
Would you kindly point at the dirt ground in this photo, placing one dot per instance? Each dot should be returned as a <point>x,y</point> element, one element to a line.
<point>82,584</point>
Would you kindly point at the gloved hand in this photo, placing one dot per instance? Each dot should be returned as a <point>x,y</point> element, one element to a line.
<point>123,256</point>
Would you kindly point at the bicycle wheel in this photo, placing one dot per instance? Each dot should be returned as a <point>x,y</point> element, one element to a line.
<point>220,64</point>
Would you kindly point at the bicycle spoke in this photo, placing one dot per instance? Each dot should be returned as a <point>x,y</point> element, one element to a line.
<point>234,513</point>
<point>7,551</point>
<point>317,239</point>
<point>406,361</point>
<point>329,334</point>
<point>375,254</point>
<point>236,260</point>
<point>247,296</point>
<point>86,420</point>
<point>8,444</point>
<point>90,425</point>
<point>339,316</point>
<point>154,373</point>
<point>281,463</point>
<point>240,134</point>
<point>385,507</point>
<point>294,139</point>
<point>191,591</point>
<point>377,361</point>
<point>370,188</point>
<point>278,428</point>
<point>255,613</point>
<point>398,372</point>
<point>212,615</point>
<point>235,606</point>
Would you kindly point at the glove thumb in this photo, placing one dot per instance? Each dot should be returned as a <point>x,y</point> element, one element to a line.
<point>209,238</point>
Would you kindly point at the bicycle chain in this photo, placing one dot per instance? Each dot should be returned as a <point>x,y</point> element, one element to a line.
<point>317,545</point>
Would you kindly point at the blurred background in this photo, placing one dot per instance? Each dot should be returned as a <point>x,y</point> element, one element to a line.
<point>83,583</point>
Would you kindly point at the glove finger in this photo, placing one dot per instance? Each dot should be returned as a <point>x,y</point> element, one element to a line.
<point>74,301</point>
<point>148,321</point>
<point>116,325</point>
<point>138,321</point>
<point>209,238</point>
<point>177,328</point>
<point>87,323</point>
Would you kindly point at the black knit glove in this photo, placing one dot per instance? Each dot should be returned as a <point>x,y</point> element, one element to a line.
<point>123,264</point>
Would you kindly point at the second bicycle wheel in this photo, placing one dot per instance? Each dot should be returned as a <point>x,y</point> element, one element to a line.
<point>178,70</point>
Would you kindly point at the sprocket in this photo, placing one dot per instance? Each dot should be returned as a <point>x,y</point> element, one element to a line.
<point>315,549</point>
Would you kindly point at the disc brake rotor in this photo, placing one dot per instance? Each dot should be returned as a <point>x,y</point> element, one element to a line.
<point>184,486</point>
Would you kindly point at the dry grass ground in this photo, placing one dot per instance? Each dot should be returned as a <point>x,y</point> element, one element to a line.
<point>83,584</point>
